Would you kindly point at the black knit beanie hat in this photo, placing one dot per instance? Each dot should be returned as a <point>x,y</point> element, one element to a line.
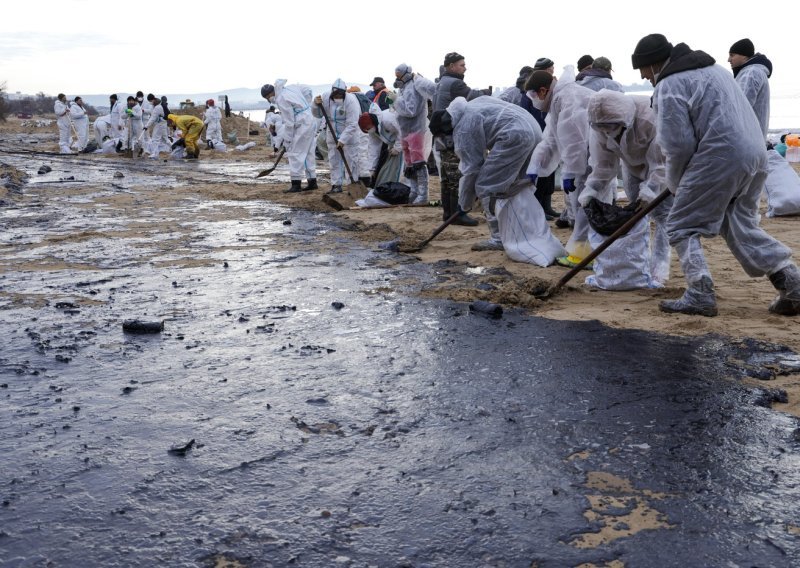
<point>651,49</point>
<point>743,47</point>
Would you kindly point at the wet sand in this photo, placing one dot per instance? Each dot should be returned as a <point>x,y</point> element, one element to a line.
<point>742,300</point>
<point>618,508</point>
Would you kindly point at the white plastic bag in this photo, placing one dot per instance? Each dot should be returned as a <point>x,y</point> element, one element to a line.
<point>782,187</point>
<point>524,230</point>
<point>625,265</point>
<point>371,201</point>
<point>245,147</point>
<point>107,147</point>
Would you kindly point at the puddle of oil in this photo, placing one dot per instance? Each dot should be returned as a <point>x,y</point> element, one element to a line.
<point>332,425</point>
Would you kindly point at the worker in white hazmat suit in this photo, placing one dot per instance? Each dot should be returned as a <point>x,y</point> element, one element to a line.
<point>716,165</point>
<point>147,111</point>
<point>61,108</point>
<point>102,129</point>
<point>80,120</point>
<point>598,76</point>
<point>493,140</point>
<point>156,126</point>
<point>273,122</point>
<point>624,128</point>
<point>385,150</point>
<point>752,72</point>
<point>343,110</point>
<point>566,141</point>
<point>294,102</point>
<point>133,117</point>
<point>411,107</point>
<point>117,122</point>
<point>213,122</point>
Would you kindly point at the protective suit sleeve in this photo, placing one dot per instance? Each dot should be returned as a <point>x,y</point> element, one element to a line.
<point>76,111</point>
<point>352,110</point>
<point>157,113</point>
<point>315,110</point>
<point>470,146</point>
<point>656,175</point>
<point>604,162</point>
<point>572,132</point>
<point>424,86</point>
<point>752,84</point>
<point>546,155</point>
<point>408,104</point>
<point>374,152</point>
<point>676,134</point>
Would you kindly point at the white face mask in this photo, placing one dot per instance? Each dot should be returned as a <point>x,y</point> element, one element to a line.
<point>612,129</point>
<point>655,75</point>
<point>537,103</point>
<point>371,131</point>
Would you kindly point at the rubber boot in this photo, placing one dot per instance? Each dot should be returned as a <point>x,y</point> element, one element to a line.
<point>465,220</point>
<point>544,202</point>
<point>547,204</point>
<point>698,300</point>
<point>312,184</point>
<point>295,188</point>
<point>335,189</point>
<point>422,184</point>
<point>366,180</point>
<point>447,204</point>
<point>412,184</point>
<point>787,282</point>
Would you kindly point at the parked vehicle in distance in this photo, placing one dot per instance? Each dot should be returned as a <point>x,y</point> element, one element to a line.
<point>24,115</point>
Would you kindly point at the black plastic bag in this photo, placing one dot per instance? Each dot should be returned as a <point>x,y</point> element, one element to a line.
<point>392,192</point>
<point>606,218</point>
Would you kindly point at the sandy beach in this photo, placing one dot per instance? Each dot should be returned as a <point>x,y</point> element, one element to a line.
<point>742,300</point>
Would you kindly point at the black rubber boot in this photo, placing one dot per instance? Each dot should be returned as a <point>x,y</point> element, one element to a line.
<point>465,220</point>
<point>295,188</point>
<point>787,282</point>
<point>366,180</point>
<point>335,189</point>
<point>447,205</point>
<point>312,184</point>
<point>547,205</point>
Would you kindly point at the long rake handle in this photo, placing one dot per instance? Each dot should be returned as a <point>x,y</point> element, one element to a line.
<point>336,139</point>
<point>622,231</point>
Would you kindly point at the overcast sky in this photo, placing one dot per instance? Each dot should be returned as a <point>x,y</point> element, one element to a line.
<point>93,47</point>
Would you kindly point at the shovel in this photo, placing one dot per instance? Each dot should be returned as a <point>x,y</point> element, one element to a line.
<point>545,292</point>
<point>129,150</point>
<point>438,230</point>
<point>275,165</point>
<point>341,152</point>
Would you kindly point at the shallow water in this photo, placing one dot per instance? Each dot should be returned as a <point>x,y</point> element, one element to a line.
<point>389,431</point>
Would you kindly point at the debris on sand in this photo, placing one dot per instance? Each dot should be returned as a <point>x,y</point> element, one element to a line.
<point>182,449</point>
<point>142,327</point>
<point>488,309</point>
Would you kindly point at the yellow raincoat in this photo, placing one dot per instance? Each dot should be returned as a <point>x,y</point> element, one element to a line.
<point>191,126</point>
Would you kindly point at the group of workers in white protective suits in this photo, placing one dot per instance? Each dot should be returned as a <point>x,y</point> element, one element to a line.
<point>139,125</point>
<point>699,146</point>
